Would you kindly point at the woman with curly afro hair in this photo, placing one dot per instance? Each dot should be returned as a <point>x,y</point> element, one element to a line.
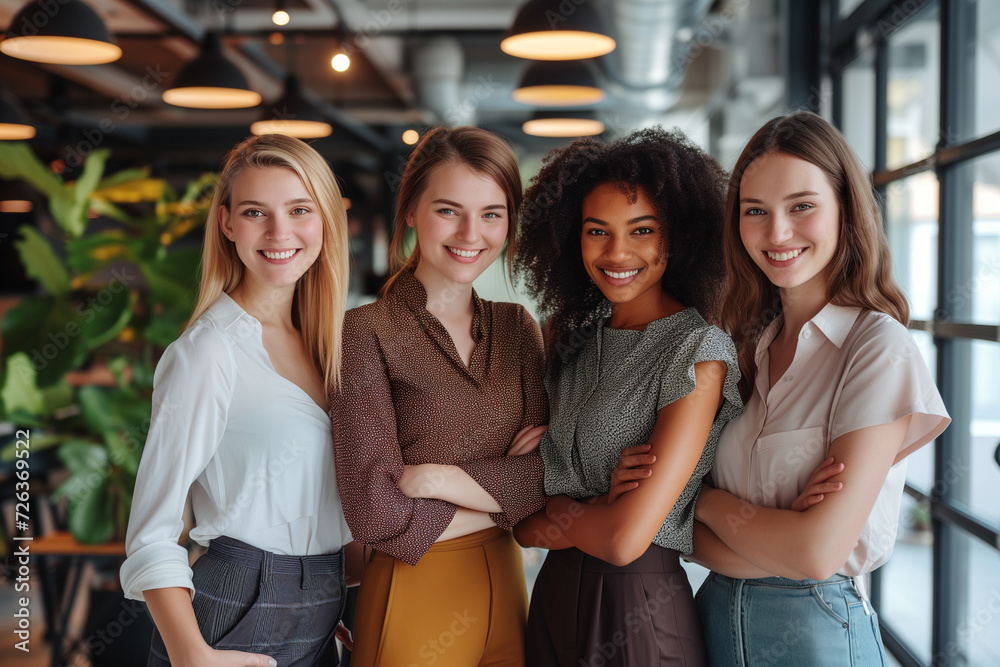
<point>621,246</point>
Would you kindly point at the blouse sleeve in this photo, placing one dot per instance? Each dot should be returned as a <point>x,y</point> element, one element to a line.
<point>886,379</point>
<point>192,387</point>
<point>706,344</point>
<point>369,462</point>
<point>517,482</point>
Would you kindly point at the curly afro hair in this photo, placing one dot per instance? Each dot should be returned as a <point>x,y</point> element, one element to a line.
<point>686,186</point>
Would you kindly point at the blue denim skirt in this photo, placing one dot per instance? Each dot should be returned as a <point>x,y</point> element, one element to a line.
<point>778,621</point>
<point>246,599</point>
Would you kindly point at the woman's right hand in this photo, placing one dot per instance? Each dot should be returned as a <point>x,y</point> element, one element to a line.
<point>210,657</point>
<point>817,487</point>
<point>526,440</point>
<point>632,467</point>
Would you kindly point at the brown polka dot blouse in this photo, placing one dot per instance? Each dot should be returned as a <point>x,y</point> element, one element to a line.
<point>407,398</point>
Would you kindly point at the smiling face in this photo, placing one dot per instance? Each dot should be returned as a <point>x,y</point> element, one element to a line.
<point>276,227</point>
<point>789,221</point>
<point>623,245</point>
<point>461,223</point>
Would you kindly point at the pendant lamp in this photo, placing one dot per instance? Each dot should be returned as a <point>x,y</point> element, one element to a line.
<point>13,126</point>
<point>293,115</point>
<point>211,81</point>
<point>558,84</point>
<point>66,32</point>
<point>557,30</point>
<point>563,124</point>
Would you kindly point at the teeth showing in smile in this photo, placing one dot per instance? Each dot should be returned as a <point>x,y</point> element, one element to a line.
<point>284,254</point>
<point>620,274</point>
<point>783,256</point>
<point>464,253</point>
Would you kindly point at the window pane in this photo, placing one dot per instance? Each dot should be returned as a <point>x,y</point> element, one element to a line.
<point>912,95</point>
<point>906,580</point>
<point>984,433</point>
<point>920,464</point>
<point>978,630</point>
<point>976,294</point>
<point>912,217</point>
<point>845,7</point>
<point>984,66</point>
<point>857,112</point>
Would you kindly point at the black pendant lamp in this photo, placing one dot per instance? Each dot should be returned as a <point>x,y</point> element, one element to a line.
<point>211,81</point>
<point>293,115</point>
<point>557,30</point>
<point>13,126</point>
<point>66,32</point>
<point>558,84</point>
<point>563,124</point>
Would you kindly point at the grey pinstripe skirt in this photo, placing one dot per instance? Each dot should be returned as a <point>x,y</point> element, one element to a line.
<point>251,600</point>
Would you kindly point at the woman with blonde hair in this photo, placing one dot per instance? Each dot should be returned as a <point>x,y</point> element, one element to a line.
<point>240,419</point>
<point>432,422</point>
<point>808,479</point>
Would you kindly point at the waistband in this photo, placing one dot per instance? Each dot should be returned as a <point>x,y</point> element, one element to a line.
<point>782,582</point>
<point>471,540</point>
<point>654,559</point>
<point>240,553</point>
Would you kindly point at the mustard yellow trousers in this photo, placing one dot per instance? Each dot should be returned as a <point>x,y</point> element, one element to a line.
<point>464,604</point>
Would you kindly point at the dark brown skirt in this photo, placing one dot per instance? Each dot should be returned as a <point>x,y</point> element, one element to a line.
<point>588,613</point>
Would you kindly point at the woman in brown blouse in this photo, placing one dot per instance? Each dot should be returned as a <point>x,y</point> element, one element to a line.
<point>437,419</point>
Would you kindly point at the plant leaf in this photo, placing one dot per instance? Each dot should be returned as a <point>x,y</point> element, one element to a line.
<point>83,456</point>
<point>91,510</point>
<point>105,315</point>
<point>20,389</point>
<point>38,443</point>
<point>18,161</point>
<point>40,261</point>
<point>48,331</point>
<point>123,176</point>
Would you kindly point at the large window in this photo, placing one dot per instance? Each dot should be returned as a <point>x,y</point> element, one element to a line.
<point>917,92</point>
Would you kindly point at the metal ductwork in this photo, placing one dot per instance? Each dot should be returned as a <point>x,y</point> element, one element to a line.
<point>438,66</point>
<point>648,65</point>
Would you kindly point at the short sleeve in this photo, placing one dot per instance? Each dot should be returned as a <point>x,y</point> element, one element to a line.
<point>707,343</point>
<point>192,389</point>
<point>886,379</point>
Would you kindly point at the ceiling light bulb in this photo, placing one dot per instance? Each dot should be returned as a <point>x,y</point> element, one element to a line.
<point>411,137</point>
<point>340,62</point>
<point>280,17</point>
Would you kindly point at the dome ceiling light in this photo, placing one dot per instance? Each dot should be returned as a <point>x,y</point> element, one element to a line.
<point>557,30</point>
<point>71,33</point>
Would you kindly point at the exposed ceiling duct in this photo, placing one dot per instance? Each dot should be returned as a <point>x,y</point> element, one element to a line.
<point>656,43</point>
<point>438,66</point>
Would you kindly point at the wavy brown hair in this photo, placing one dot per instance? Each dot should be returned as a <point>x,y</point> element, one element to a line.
<point>480,150</point>
<point>684,184</point>
<point>860,272</point>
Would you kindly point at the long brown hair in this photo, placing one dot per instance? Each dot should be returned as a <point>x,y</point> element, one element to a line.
<point>860,272</point>
<point>321,293</point>
<point>482,151</point>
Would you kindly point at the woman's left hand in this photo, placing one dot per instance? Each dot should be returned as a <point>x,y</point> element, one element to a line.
<point>526,440</point>
<point>632,467</point>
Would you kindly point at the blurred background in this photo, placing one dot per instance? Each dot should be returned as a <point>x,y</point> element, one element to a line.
<point>112,129</point>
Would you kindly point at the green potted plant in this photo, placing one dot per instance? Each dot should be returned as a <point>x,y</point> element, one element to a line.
<point>78,357</point>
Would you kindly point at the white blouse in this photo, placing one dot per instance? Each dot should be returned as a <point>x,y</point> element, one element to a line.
<point>852,369</point>
<point>254,449</point>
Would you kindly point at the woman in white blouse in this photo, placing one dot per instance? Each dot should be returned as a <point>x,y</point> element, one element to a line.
<point>837,395</point>
<point>240,419</point>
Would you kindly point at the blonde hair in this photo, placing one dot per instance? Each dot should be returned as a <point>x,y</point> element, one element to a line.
<point>321,293</point>
<point>480,150</point>
<point>860,272</point>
